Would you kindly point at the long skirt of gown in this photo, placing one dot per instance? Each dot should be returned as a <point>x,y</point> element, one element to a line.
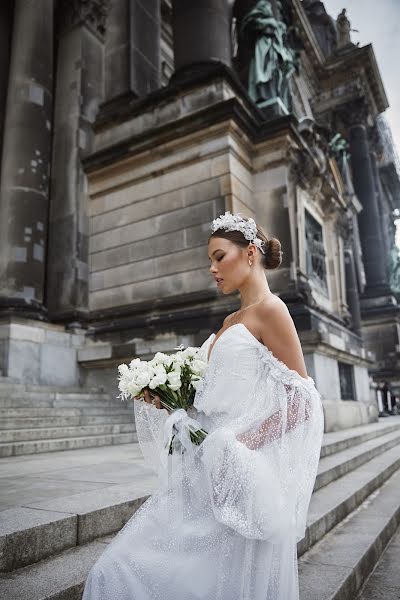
<point>158,555</point>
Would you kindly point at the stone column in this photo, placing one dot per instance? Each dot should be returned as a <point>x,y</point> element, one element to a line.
<point>6,20</point>
<point>132,48</point>
<point>352,296</point>
<point>202,35</point>
<point>385,235</point>
<point>79,90</point>
<point>368,218</point>
<point>25,161</point>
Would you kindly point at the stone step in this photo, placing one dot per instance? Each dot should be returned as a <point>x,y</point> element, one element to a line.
<point>61,577</point>
<point>36,396</point>
<point>50,421</point>
<point>43,433</point>
<point>329,504</point>
<point>384,581</point>
<point>27,405</point>
<point>336,465</point>
<point>93,403</point>
<point>31,533</point>
<point>62,412</point>
<point>337,567</point>
<point>15,387</point>
<point>333,569</point>
<point>332,503</point>
<point>336,441</point>
<point>63,443</point>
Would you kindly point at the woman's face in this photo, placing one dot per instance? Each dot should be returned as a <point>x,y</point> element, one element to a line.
<point>228,264</point>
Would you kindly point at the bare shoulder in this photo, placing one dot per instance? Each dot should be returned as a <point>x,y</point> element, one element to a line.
<point>228,319</point>
<point>278,333</point>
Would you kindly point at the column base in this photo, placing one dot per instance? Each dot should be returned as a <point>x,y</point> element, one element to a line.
<point>39,353</point>
<point>20,307</point>
<point>198,70</point>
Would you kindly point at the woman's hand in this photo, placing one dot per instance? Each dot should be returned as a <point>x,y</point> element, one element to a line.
<point>150,398</point>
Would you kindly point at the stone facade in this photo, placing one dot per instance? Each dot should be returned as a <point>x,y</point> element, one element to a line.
<point>148,133</point>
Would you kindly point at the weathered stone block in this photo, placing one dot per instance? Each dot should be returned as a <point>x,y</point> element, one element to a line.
<point>58,365</point>
<point>24,361</point>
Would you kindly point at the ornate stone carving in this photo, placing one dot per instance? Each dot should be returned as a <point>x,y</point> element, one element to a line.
<point>344,227</point>
<point>304,291</point>
<point>309,164</point>
<point>92,13</point>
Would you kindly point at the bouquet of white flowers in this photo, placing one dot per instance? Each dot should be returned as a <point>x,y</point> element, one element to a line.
<point>173,377</point>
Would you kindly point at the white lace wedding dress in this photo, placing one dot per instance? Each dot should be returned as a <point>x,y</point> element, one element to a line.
<point>226,517</point>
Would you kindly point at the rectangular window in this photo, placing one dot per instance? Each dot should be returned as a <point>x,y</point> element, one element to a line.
<point>346,377</point>
<point>315,253</point>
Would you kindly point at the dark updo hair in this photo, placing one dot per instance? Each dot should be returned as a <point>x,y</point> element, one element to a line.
<point>272,247</point>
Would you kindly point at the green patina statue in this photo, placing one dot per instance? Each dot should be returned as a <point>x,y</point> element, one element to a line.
<point>339,148</point>
<point>394,269</point>
<point>273,62</point>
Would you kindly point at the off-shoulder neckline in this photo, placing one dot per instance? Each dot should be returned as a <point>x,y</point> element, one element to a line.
<point>263,347</point>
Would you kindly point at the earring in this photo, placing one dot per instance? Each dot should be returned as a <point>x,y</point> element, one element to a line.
<point>250,262</point>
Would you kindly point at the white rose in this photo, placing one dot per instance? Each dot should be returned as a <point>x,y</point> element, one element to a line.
<point>134,363</point>
<point>142,365</point>
<point>160,358</point>
<point>174,380</point>
<point>123,370</point>
<point>158,379</point>
<point>159,369</point>
<point>133,389</point>
<point>142,378</point>
<point>190,352</point>
<point>198,366</point>
<point>178,359</point>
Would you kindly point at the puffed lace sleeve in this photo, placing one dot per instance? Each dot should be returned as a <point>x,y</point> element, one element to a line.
<point>260,468</point>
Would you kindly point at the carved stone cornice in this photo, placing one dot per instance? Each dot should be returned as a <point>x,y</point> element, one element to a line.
<point>90,13</point>
<point>354,113</point>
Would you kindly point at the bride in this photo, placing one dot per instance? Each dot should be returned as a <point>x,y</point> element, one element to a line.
<point>227,514</point>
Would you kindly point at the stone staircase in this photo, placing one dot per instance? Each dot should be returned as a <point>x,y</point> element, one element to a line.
<point>44,419</point>
<point>48,549</point>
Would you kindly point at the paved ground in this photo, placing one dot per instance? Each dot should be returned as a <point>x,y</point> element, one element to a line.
<point>32,478</point>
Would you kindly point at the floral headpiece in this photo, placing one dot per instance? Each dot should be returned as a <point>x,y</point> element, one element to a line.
<point>248,227</point>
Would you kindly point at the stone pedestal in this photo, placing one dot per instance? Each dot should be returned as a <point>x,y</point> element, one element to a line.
<point>39,353</point>
<point>25,169</point>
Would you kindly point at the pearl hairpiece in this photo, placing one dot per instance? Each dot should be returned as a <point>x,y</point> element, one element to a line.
<point>237,223</point>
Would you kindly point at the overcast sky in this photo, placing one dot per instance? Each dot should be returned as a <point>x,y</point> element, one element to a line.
<point>378,23</point>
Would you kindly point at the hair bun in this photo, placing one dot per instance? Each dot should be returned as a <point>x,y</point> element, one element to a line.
<point>273,254</point>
